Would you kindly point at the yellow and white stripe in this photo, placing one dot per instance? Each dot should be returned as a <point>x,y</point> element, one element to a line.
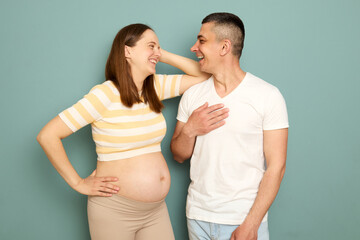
<point>167,86</point>
<point>118,131</point>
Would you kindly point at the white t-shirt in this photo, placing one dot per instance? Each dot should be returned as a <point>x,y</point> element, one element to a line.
<point>228,163</point>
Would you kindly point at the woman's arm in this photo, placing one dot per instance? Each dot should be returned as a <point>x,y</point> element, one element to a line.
<point>190,67</point>
<point>50,140</point>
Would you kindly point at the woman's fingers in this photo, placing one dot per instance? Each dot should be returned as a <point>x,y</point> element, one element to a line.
<point>111,188</point>
<point>108,179</point>
<point>93,173</point>
<point>98,186</point>
<point>105,182</point>
<point>107,188</point>
<point>102,194</point>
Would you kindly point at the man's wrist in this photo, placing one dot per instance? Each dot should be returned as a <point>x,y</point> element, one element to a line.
<point>251,223</point>
<point>188,132</point>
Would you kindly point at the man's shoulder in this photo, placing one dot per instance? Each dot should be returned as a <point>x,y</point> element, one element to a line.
<point>203,86</point>
<point>260,84</point>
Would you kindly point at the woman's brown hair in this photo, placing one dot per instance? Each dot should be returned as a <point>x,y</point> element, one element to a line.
<point>118,70</point>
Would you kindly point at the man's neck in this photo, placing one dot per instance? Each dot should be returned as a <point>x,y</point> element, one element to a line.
<point>228,78</point>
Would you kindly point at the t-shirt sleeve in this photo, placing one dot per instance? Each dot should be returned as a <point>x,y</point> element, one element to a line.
<point>183,109</point>
<point>89,109</point>
<point>167,86</point>
<point>276,116</point>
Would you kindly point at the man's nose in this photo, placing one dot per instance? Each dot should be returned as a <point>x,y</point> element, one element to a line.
<point>194,48</point>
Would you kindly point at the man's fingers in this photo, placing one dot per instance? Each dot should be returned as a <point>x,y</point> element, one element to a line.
<point>216,125</point>
<point>215,107</point>
<point>218,118</point>
<point>202,107</point>
<point>221,112</point>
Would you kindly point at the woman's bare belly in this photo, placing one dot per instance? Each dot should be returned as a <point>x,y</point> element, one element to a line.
<point>143,178</point>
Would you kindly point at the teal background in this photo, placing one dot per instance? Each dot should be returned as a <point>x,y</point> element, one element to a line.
<point>53,52</point>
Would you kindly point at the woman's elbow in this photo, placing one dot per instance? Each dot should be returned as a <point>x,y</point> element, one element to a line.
<point>282,172</point>
<point>40,138</point>
<point>44,136</point>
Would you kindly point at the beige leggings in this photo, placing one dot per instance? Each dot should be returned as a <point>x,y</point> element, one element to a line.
<point>120,218</point>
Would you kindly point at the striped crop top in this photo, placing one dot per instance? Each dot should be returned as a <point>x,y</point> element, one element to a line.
<point>118,131</point>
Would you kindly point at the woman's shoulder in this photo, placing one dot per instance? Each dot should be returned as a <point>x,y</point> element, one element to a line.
<point>166,77</point>
<point>108,88</point>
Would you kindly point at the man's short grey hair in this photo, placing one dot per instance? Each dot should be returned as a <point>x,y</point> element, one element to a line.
<point>228,26</point>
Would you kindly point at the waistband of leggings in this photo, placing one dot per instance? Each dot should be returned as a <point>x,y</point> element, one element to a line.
<point>116,201</point>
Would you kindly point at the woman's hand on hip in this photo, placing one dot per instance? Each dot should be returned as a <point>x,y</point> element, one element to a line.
<point>97,186</point>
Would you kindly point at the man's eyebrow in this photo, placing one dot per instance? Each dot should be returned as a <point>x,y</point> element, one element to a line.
<point>152,42</point>
<point>200,36</point>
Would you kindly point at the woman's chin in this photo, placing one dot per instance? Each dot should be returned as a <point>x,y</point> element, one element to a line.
<point>152,71</point>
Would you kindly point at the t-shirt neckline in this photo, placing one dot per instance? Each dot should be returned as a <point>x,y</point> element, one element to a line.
<point>237,88</point>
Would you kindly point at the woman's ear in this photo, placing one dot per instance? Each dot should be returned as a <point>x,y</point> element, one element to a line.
<point>226,47</point>
<point>127,52</point>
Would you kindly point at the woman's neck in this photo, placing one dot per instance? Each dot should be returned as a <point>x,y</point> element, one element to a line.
<point>138,79</point>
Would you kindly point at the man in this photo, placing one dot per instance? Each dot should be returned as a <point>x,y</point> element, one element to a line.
<point>230,125</point>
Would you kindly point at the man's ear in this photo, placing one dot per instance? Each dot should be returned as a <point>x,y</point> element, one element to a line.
<point>127,51</point>
<point>226,47</point>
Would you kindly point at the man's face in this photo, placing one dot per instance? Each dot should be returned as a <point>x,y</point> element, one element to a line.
<point>207,48</point>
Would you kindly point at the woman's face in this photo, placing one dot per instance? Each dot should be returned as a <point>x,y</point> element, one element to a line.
<point>144,56</point>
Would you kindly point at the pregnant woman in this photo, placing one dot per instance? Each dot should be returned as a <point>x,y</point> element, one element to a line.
<point>126,192</point>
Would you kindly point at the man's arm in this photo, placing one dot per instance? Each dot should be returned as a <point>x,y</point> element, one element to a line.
<point>275,147</point>
<point>203,120</point>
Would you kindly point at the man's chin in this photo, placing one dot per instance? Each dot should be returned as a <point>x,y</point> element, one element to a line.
<point>205,70</point>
